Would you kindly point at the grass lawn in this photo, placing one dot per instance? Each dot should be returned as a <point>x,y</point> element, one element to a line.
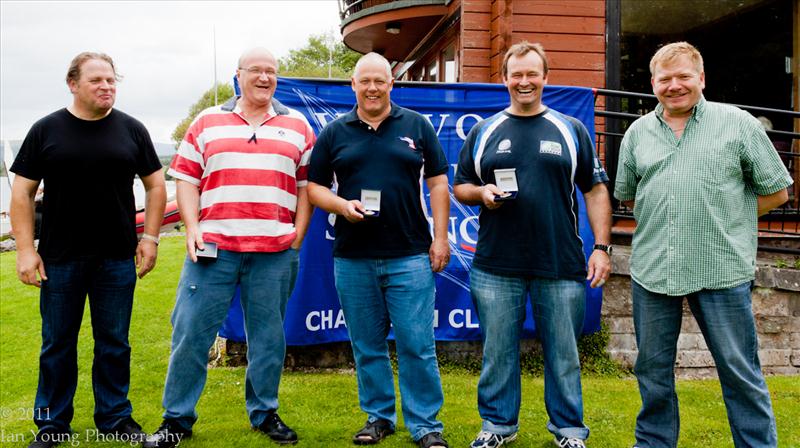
<point>321,406</point>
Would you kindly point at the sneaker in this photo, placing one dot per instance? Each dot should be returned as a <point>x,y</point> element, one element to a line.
<point>274,427</point>
<point>569,442</point>
<point>127,431</point>
<point>486,439</point>
<point>168,435</point>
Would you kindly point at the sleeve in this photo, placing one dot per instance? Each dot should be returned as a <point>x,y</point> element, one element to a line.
<point>589,171</point>
<point>465,171</point>
<point>627,180</point>
<point>435,160</point>
<point>320,170</point>
<point>762,167</point>
<point>188,163</point>
<point>301,175</point>
<point>27,163</point>
<point>147,163</point>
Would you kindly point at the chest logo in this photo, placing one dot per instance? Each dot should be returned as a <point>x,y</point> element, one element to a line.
<point>504,147</point>
<point>548,147</point>
<point>410,142</point>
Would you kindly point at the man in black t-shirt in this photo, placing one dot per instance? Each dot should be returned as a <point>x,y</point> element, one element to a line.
<point>88,155</point>
<point>522,166</point>
<point>384,258</point>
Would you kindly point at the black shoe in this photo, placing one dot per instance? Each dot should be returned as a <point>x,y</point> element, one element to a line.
<point>274,427</point>
<point>169,435</point>
<point>127,431</point>
<point>50,439</point>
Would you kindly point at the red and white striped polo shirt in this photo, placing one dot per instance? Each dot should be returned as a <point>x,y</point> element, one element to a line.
<point>248,178</point>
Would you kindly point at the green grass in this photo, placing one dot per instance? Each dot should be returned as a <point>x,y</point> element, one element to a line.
<point>322,406</point>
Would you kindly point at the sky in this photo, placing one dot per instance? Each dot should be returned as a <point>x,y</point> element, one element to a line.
<point>164,50</point>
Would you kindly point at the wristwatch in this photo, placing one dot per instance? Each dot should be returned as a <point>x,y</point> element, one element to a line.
<point>607,248</point>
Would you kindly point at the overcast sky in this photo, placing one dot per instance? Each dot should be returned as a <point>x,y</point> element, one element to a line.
<point>164,49</point>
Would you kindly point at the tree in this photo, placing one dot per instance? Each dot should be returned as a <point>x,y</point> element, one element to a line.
<point>322,55</point>
<point>224,92</point>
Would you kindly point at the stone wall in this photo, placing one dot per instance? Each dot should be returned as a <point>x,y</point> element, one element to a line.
<point>776,306</point>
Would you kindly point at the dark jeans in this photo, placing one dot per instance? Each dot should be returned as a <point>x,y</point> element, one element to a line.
<point>109,285</point>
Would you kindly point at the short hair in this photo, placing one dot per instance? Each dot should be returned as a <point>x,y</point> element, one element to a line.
<point>521,49</point>
<point>371,56</point>
<point>74,71</point>
<point>672,51</point>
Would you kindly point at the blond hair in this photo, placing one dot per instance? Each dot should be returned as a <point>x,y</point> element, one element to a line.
<point>74,70</point>
<point>670,52</point>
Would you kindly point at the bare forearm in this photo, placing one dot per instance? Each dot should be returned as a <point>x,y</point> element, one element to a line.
<point>302,216</point>
<point>770,201</point>
<point>22,208</point>
<point>469,194</point>
<point>188,197</point>
<point>325,199</point>
<point>598,210</point>
<point>440,206</point>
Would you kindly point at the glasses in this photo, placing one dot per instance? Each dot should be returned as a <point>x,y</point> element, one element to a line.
<point>258,71</point>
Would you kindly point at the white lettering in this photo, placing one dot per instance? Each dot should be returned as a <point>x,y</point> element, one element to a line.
<point>460,131</point>
<point>442,119</point>
<point>324,320</point>
<point>468,319</point>
<point>464,231</point>
<point>452,318</point>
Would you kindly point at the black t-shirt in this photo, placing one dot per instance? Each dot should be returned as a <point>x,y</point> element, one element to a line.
<point>535,234</point>
<point>88,167</point>
<point>393,159</point>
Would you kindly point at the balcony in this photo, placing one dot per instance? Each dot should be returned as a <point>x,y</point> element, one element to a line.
<point>392,28</point>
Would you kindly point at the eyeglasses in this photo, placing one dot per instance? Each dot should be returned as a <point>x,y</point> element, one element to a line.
<point>258,71</point>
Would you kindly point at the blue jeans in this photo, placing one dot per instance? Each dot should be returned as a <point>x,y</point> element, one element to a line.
<point>204,295</point>
<point>726,319</point>
<point>558,311</point>
<point>109,285</point>
<point>398,292</point>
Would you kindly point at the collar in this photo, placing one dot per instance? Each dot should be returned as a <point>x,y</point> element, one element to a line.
<point>276,108</point>
<point>352,116</point>
<point>697,112</point>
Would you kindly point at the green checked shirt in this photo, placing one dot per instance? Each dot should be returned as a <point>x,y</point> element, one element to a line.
<point>696,198</point>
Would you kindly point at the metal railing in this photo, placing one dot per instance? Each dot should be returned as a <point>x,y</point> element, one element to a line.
<point>622,108</point>
<point>350,7</point>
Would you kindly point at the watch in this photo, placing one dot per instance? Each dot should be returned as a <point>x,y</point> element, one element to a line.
<point>607,248</point>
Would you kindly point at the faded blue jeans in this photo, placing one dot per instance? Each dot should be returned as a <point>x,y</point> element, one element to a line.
<point>398,292</point>
<point>725,317</point>
<point>204,295</point>
<point>109,285</point>
<point>558,311</point>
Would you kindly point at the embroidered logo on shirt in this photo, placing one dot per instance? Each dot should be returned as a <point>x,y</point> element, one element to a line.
<point>504,147</point>
<point>410,142</point>
<point>548,147</point>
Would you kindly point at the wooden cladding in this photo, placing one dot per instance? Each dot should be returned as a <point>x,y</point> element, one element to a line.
<point>572,32</point>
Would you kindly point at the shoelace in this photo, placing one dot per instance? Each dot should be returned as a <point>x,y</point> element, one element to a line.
<point>483,436</point>
<point>571,442</point>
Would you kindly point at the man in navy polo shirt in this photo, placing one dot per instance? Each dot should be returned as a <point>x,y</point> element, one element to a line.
<point>384,258</point>
<point>530,245</point>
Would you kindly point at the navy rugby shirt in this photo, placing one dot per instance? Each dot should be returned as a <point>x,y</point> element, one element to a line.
<point>393,159</point>
<point>535,234</point>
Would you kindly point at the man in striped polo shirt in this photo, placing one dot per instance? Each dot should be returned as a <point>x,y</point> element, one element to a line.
<point>529,245</point>
<point>697,175</point>
<point>241,178</point>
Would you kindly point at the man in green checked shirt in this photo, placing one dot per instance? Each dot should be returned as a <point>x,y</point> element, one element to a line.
<point>697,175</point>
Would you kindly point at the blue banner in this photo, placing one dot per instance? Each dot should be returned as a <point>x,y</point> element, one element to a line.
<point>313,315</point>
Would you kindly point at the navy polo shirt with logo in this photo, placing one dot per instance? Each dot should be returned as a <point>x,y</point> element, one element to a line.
<point>536,234</point>
<point>394,158</point>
